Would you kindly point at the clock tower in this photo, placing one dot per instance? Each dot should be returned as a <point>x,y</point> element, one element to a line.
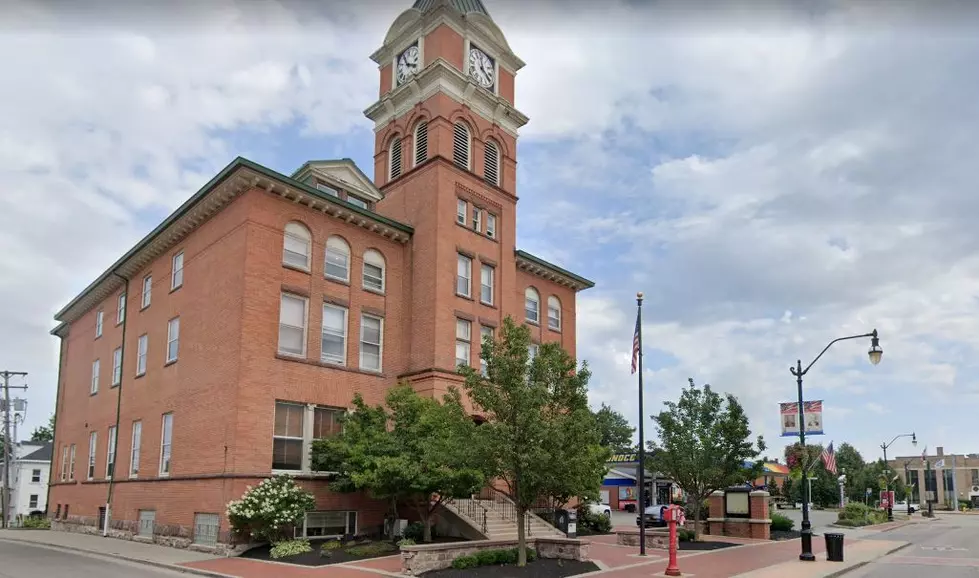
<point>445,160</point>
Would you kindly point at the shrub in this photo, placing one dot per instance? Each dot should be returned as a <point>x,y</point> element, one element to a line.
<point>591,523</point>
<point>415,531</point>
<point>372,549</point>
<point>268,510</point>
<point>289,548</point>
<point>327,548</point>
<point>492,558</point>
<point>685,535</point>
<point>37,523</point>
<point>464,562</point>
<point>781,523</point>
<point>406,542</point>
<point>855,512</point>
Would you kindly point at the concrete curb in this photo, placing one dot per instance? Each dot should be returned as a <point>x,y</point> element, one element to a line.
<point>164,565</point>
<point>844,571</point>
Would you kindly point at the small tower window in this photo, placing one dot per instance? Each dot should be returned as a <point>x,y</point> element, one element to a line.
<point>460,145</point>
<point>421,143</point>
<point>491,164</point>
<point>396,158</point>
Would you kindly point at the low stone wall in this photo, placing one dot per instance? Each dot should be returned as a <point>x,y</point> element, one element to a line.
<point>655,538</point>
<point>421,558</point>
<point>170,536</point>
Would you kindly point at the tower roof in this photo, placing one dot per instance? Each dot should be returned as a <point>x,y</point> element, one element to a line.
<point>463,6</point>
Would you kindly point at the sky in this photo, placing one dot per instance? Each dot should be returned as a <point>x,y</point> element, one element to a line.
<point>771,175</point>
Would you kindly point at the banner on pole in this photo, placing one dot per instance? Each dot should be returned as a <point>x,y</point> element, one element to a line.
<point>790,418</point>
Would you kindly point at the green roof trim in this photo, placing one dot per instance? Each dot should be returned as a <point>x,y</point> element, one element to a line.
<point>525,255</point>
<point>237,163</point>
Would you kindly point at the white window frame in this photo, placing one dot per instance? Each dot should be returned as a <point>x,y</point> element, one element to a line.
<point>305,325</point>
<point>484,286</point>
<point>299,233</point>
<point>359,202</point>
<point>33,475</point>
<point>116,366</point>
<point>337,247</point>
<point>99,319</point>
<point>33,500</point>
<point>379,344</point>
<point>374,258</point>
<point>121,308</point>
<point>551,301</point>
<point>110,455</point>
<point>464,328</point>
<point>142,347</point>
<point>308,431</point>
<point>173,336</point>
<point>462,210</point>
<point>93,442</point>
<point>477,220</point>
<point>134,451</point>
<point>147,297</point>
<point>166,445</point>
<point>71,464</point>
<point>96,370</point>
<point>302,530</point>
<point>527,300</point>
<point>490,225</point>
<point>464,277</point>
<point>177,271</point>
<point>64,463</point>
<point>304,459</point>
<point>342,335</point>
<point>328,189</point>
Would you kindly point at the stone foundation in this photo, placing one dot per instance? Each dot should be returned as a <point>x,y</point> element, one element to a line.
<point>170,536</point>
<point>656,538</point>
<point>421,558</point>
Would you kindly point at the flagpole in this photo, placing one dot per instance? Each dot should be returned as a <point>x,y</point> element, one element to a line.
<point>642,442</point>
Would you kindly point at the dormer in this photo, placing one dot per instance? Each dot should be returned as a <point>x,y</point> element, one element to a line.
<point>342,179</point>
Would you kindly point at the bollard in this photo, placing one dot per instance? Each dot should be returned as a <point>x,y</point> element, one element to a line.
<point>674,516</point>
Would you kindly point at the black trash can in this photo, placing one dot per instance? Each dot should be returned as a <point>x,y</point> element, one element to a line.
<point>834,547</point>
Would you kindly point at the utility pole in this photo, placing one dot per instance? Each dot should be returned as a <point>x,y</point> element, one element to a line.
<point>7,447</point>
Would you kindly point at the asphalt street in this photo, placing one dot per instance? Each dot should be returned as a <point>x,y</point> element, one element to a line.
<point>948,548</point>
<point>18,560</point>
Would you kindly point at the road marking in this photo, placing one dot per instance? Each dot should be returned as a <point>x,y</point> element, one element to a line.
<point>944,549</point>
<point>931,561</point>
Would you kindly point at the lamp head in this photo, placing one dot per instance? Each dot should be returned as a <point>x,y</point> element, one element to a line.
<point>875,352</point>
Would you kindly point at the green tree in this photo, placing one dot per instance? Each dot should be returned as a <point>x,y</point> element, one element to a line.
<point>44,433</point>
<point>704,443</point>
<point>849,460</point>
<point>616,433</point>
<point>537,410</point>
<point>416,451</point>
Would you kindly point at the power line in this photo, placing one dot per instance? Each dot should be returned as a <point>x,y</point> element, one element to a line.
<point>7,448</point>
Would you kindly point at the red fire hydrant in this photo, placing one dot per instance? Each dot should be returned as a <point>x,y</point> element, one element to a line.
<point>674,515</point>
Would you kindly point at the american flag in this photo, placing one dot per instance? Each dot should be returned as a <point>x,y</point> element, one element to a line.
<point>635,346</point>
<point>829,459</point>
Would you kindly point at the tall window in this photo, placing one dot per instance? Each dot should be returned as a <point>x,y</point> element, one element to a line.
<point>464,276</point>
<point>64,463</point>
<point>177,271</point>
<point>975,476</point>
<point>166,444</point>
<point>71,463</point>
<point>95,376</point>
<point>141,348</point>
<point>491,163</point>
<point>532,352</point>
<point>121,309</point>
<point>421,143</point>
<point>463,342</point>
<point>99,315</point>
<point>35,476</point>
<point>531,305</point>
<point>460,145</point>
<point>32,501</point>
<point>93,439</point>
<point>491,225</point>
<point>110,456</point>
<point>287,437</point>
<point>296,246</point>
<point>487,274</point>
<point>484,332</point>
<point>395,155</point>
<point>334,342</point>
<point>173,339</point>
<point>461,208</point>
<point>134,453</point>
<point>373,271</point>
<point>147,291</point>
<point>117,366</point>
<point>292,325</point>
<point>371,342</point>
<point>477,219</point>
<point>337,259</point>
<point>553,313</point>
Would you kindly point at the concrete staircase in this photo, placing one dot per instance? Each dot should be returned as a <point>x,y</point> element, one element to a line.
<point>493,515</point>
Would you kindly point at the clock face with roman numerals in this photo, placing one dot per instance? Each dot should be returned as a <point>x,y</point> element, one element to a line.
<point>481,68</point>
<point>408,63</point>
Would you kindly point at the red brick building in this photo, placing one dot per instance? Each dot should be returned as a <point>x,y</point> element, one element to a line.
<point>212,353</point>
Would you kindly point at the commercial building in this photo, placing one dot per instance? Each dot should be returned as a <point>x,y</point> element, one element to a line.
<point>943,479</point>
<point>213,353</point>
<point>620,487</point>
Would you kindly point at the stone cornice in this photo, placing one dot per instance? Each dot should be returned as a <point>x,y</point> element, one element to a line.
<point>551,272</point>
<point>440,76</point>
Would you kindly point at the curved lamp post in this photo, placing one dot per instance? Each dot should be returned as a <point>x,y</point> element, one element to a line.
<point>883,446</point>
<point>875,353</point>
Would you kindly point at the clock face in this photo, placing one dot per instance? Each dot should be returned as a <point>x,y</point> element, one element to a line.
<point>481,68</point>
<point>408,64</point>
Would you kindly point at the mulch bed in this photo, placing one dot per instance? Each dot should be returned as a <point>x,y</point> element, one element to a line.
<point>537,569</point>
<point>339,556</point>
<point>704,546</point>
<point>785,535</point>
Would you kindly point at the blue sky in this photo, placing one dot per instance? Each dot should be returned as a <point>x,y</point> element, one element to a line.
<point>771,175</point>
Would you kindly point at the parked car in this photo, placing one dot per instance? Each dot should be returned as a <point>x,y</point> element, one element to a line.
<point>600,510</point>
<point>654,516</point>
<point>901,506</point>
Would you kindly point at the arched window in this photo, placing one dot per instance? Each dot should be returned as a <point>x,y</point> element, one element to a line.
<point>421,143</point>
<point>491,163</point>
<point>395,158</point>
<point>373,271</point>
<point>460,145</point>
<point>296,246</point>
<point>532,305</point>
<point>553,312</point>
<point>337,259</point>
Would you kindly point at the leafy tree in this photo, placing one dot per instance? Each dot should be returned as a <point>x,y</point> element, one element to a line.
<point>44,433</point>
<point>705,444</point>
<point>416,451</point>
<point>615,430</point>
<point>538,422</point>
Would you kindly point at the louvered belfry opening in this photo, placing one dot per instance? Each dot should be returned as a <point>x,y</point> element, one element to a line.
<point>396,158</point>
<point>421,143</point>
<point>491,164</point>
<point>460,145</point>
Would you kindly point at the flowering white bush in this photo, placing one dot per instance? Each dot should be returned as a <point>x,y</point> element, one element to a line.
<point>270,509</point>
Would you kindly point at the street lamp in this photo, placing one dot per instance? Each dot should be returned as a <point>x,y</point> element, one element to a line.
<point>875,353</point>
<point>887,481</point>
